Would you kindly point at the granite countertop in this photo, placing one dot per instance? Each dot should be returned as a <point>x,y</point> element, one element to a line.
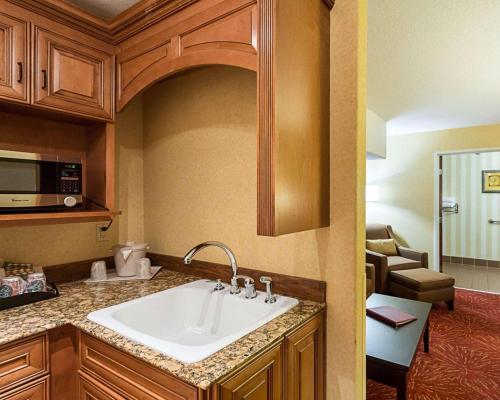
<point>79,299</point>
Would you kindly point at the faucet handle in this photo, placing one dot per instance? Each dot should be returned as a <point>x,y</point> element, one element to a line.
<point>270,298</point>
<point>218,286</point>
<point>250,292</point>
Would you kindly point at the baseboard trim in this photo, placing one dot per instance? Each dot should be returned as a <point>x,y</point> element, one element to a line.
<point>73,271</point>
<point>472,261</point>
<point>302,288</point>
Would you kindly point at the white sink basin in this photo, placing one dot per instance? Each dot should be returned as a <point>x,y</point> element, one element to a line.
<point>190,322</point>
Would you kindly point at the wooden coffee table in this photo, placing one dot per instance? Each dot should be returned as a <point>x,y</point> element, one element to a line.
<point>390,352</point>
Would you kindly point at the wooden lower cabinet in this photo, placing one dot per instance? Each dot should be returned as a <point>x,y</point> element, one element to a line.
<point>37,390</point>
<point>305,361</point>
<point>22,361</point>
<point>90,389</point>
<point>129,376</point>
<point>262,379</point>
<point>85,368</point>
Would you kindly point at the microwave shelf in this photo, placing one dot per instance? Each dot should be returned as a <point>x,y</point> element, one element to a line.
<point>57,217</point>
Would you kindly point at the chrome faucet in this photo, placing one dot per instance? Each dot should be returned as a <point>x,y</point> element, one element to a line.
<point>232,259</point>
<point>250,292</point>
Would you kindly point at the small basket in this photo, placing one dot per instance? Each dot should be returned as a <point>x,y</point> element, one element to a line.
<point>17,269</point>
<point>28,298</point>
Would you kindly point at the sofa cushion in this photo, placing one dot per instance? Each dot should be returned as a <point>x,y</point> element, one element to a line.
<point>396,263</point>
<point>421,279</point>
<point>377,231</point>
<point>383,246</point>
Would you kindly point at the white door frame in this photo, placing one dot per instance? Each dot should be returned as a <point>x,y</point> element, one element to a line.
<point>438,154</point>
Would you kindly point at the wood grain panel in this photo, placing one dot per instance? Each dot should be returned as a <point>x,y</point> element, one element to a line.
<point>14,67</point>
<point>305,361</point>
<point>37,390</point>
<point>129,376</point>
<point>235,31</point>
<point>101,164</point>
<point>64,362</point>
<point>72,76</point>
<point>131,68</point>
<point>302,288</point>
<point>22,361</point>
<point>91,389</point>
<point>262,379</point>
<point>293,106</point>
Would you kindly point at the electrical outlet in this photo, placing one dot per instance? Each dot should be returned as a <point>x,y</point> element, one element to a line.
<point>101,236</point>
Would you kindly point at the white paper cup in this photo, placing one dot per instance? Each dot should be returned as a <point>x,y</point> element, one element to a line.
<point>98,271</point>
<point>143,268</point>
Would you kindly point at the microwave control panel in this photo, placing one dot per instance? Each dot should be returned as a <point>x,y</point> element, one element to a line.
<point>70,178</point>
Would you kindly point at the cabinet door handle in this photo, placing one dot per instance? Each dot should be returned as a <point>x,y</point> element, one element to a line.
<point>20,72</point>
<point>493,222</point>
<point>44,80</point>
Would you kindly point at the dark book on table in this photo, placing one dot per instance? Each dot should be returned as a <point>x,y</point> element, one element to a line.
<point>390,315</point>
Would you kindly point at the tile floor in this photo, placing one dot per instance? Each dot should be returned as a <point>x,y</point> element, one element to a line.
<point>475,277</point>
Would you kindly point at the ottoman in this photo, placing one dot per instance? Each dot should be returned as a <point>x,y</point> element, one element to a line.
<point>423,284</point>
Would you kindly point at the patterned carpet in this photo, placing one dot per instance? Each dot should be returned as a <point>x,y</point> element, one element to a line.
<point>464,358</point>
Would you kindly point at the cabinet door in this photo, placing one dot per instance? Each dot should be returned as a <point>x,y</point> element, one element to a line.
<point>22,361</point>
<point>90,389</point>
<point>305,362</point>
<point>38,390</point>
<point>14,74</point>
<point>260,380</point>
<point>71,76</point>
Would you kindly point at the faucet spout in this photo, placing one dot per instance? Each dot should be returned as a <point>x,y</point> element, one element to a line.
<point>232,259</point>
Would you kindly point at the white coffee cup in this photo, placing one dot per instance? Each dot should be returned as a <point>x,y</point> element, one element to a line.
<point>143,268</point>
<point>98,271</point>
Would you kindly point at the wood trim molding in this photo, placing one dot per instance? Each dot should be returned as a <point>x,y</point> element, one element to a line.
<point>136,18</point>
<point>143,15</point>
<point>302,288</point>
<point>69,15</point>
<point>266,120</point>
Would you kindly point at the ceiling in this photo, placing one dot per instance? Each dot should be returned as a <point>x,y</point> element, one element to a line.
<point>105,9</point>
<point>434,65</point>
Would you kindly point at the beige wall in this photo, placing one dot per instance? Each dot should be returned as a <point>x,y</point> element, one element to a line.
<point>376,136</point>
<point>129,172</point>
<point>406,179</point>
<point>468,233</point>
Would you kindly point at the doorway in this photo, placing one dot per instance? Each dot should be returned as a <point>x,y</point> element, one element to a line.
<point>469,218</point>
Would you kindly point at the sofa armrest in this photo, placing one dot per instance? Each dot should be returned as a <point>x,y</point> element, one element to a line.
<point>381,269</point>
<point>414,255</point>
<point>370,271</point>
<point>370,276</point>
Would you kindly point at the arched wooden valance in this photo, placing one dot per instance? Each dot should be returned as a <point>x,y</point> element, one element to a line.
<point>224,33</point>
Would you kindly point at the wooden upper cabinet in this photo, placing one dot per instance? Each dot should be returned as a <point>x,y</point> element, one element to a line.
<point>293,186</point>
<point>262,379</point>
<point>14,71</point>
<point>71,76</point>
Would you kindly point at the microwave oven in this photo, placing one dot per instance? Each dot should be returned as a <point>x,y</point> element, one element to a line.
<point>31,182</point>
